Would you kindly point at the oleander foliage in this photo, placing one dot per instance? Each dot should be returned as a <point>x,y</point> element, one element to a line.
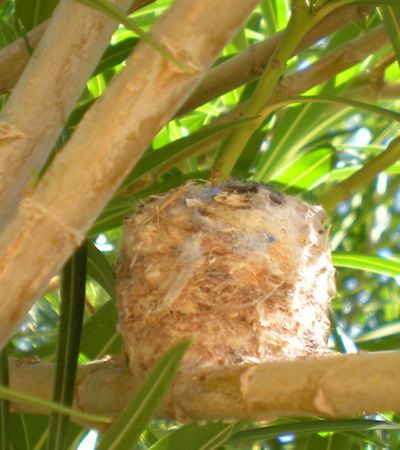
<point>303,147</point>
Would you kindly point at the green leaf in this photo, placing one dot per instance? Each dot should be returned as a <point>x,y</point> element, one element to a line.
<point>100,270</point>
<point>112,215</point>
<point>26,399</point>
<point>29,431</point>
<point>125,432</point>
<point>384,112</point>
<point>31,13</point>
<point>209,436</point>
<point>148,438</point>
<point>116,54</point>
<point>307,170</point>
<point>99,334</point>
<point>315,426</point>
<point>391,19</point>
<point>368,263</point>
<point>179,149</point>
<point>71,316</point>
<point>382,332</point>
<point>338,3</point>
<point>294,127</point>
<point>295,131</point>
<point>7,34</point>
<point>26,430</point>
<point>4,404</point>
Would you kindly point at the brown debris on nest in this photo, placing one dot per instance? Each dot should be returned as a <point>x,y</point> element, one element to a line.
<point>243,270</point>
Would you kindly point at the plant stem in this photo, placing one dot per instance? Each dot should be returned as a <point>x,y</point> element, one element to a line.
<point>343,190</point>
<point>4,403</point>
<point>300,22</point>
<point>71,316</point>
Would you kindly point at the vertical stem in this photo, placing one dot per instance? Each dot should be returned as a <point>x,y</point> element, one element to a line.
<point>71,315</point>
<point>4,404</point>
<point>301,21</point>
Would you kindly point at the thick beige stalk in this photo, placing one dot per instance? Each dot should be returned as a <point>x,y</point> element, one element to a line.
<point>335,386</point>
<point>238,70</point>
<point>47,91</point>
<point>15,57</point>
<point>53,219</point>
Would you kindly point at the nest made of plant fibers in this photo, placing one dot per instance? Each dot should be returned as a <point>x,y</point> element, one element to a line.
<point>243,270</point>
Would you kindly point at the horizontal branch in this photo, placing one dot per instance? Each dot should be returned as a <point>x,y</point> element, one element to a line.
<point>334,386</point>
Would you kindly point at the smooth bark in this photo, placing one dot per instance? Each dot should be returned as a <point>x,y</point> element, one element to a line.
<point>240,69</point>
<point>46,93</point>
<point>334,386</point>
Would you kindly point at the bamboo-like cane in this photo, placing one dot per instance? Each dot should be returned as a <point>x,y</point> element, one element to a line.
<point>14,57</point>
<point>46,93</point>
<point>53,219</point>
<point>238,70</point>
<point>332,386</point>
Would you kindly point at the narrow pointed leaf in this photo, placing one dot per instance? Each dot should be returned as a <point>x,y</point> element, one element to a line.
<point>317,426</point>
<point>116,54</point>
<point>391,19</point>
<point>26,399</point>
<point>31,13</point>
<point>99,334</point>
<point>384,112</point>
<point>209,436</point>
<point>100,270</point>
<point>127,429</point>
<point>307,170</point>
<point>368,263</point>
<point>156,159</point>
<point>71,316</point>
<point>4,404</point>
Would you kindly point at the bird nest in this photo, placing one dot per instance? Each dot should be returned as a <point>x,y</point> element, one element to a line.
<point>243,270</point>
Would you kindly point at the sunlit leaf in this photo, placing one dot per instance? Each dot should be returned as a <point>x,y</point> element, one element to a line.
<point>391,19</point>
<point>115,54</point>
<point>368,263</point>
<point>307,170</point>
<point>100,270</point>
